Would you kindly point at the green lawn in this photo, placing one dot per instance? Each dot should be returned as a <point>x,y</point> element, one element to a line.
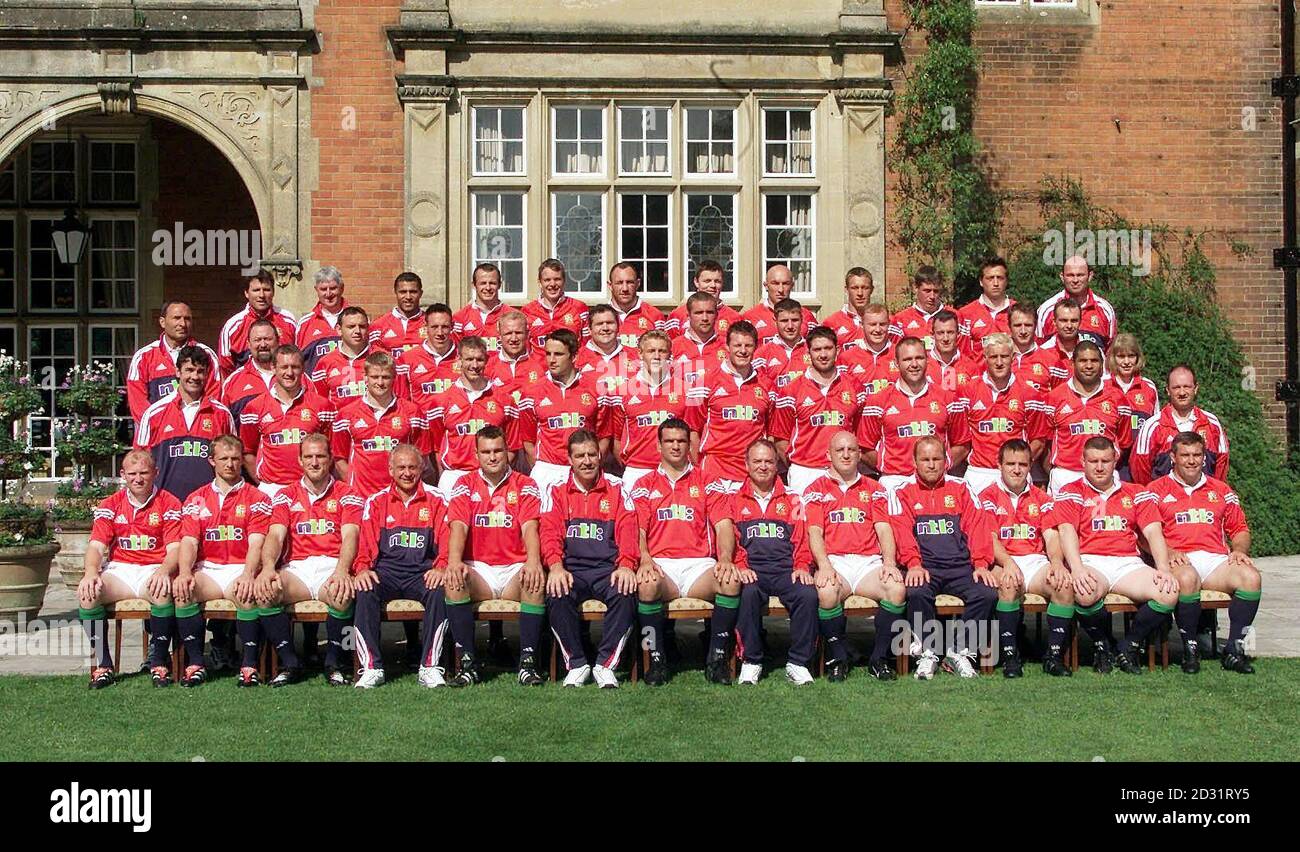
<point>1161,716</point>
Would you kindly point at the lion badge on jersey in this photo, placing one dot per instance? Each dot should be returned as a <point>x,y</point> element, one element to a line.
<point>424,514</point>
<point>331,505</point>
<point>1032,510</point>
<point>695,491</point>
<point>934,408</point>
<point>397,423</point>
<point>154,519</point>
<point>604,506</point>
<point>1013,405</point>
<point>1212,497</point>
<point>491,407</point>
<point>512,497</point>
<point>586,399</point>
<point>949,501</point>
<point>207,423</point>
<point>1126,502</point>
<point>239,511</point>
<point>306,415</point>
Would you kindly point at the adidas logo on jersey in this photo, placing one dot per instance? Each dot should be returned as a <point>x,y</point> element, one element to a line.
<point>1066,409</point>
<point>168,429</point>
<point>538,321</point>
<point>469,326</point>
<point>160,368</point>
<point>390,333</point>
<point>655,495</point>
<point>891,410</point>
<point>268,418</point>
<point>546,400</point>
<point>1169,498</point>
<point>979,406</point>
<point>635,400</point>
<point>420,369</point>
<point>297,507</point>
<point>807,400</point>
<point>455,409</point>
<point>121,519</point>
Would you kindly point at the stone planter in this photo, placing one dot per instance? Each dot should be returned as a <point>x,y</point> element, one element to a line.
<point>24,574</point>
<point>73,538</point>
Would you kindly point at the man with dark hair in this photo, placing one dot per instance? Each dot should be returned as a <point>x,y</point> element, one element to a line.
<point>651,396</point>
<point>368,429</point>
<point>710,278</point>
<point>1082,408</point>
<point>1056,354</point>
<point>847,321</point>
<point>1152,455</point>
<point>152,374</point>
<point>429,368</point>
<point>340,375</point>
<point>784,358</point>
<point>589,543</point>
<point>778,283</point>
<point>914,320</point>
<point>274,425</point>
<point>459,413</point>
<point>1097,321</point>
<point>989,313</point>
<point>700,346</point>
<point>635,317</point>
<point>480,316</point>
<point>403,327</point>
<point>603,356</point>
<point>729,408</point>
<point>1030,367</point>
<point>317,334</point>
<point>178,428</point>
<point>949,368</point>
<point>233,344</point>
<point>871,359</point>
<point>552,310</point>
<point>255,377</point>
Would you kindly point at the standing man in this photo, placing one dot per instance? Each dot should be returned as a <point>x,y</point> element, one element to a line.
<point>233,346</point>
<point>604,357</point>
<point>635,317</point>
<point>552,310</point>
<point>514,368</point>
<point>710,278</point>
<point>778,283</point>
<point>366,431</point>
<point>152,374</point>
<point>700,347</point>
<point>989,313</point>
<point>949,368</point>
<point>871,360</point>
<point>1055,355</point>
<point>653,396</point>
<point>317,334</point>
<point>480,316</point>
<point>784,358</point>
<point>1080,409</point>
<point>1152,455</point>
<point>403,327</point>
<point>459,413</point>
<point>178,428</point>
<point>340,375</point>
<point>255,377</point>
<point>914,320</point>
<point>679,511</point>
<point>1000,408</point>
<point>429,368</point>
<point>1097,320</point>
<point>1021,318</point>
<point>274,425</point>
<point>847,322</point>
<point>589,543</point>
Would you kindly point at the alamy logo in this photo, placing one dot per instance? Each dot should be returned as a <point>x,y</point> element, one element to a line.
<point>231,247</point>
<point>91,805</point>
<point>1106,247</point>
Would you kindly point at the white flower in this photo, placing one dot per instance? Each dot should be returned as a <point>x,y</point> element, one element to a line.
<point>18,536</point>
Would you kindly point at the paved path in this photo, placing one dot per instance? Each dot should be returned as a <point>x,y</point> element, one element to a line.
<point>1277,627</point>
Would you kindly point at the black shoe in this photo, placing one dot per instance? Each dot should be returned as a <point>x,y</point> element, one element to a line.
<point>194,676</point>
<point>161,676</point>
<point>336,677</point>
<point>657,673</point>
<point>469,673</point>
<point>1191,658</point>
<point>1127,660</point>
<point>1234,659</point>
<point>248,676</point>
<point>717,671</point>
<point>498,653</point>
<point>101,677</point>
<point>287,677</point>
<point>882,670</point>
<point>1103,661</point>
<point>1054,666</point>
<point>528,675</point>
<point>837,671</point>
<point>1012,665</point>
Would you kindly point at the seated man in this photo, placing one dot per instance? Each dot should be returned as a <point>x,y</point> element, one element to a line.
<point>222,527</point>
<point>679,513</point>
<point>589,542</point>
<point>772,558</point>
<point>401,555</point>
<point>493,552</point>
<point>1099,519</point>
<point>1209,548</point>
<point>1028,555</point>
<point>315,526</point>
<point>850,537</point>
<point>944,540</point>
<point>133,549</point>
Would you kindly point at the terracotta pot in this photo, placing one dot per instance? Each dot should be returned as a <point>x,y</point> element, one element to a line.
<point>24,574</point>
<point>73,537</point>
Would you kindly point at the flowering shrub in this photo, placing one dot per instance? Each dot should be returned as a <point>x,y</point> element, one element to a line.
<point>75,500</point>
<point>90,390</point>
<point>19,396</point>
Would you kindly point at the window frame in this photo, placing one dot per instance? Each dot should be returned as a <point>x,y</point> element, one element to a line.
<point>553,193</point>
<point>733,290</point>
<point>474,193</point>
<point>114,216</point>
<point>50,415</point>
<point>801,295</point>
<point>92,203</point>
<point>669,171</point>
<point>763,110</point>
<point>75,310</point>
<point>553,172</point>
<point>705,177</point>
<point>671,198</point>
<point>474,139</point>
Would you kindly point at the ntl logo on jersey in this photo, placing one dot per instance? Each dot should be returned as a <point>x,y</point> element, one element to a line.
<point>1194,516</point>
<point>585,531</point>
<point>285,437</point>
<point>1110,523</point>
<point>916,429</point>
<point>137,542</point>
<point>315,526</point>
<point>828,418</point>
<point>847,515</point>
<point>435,386</point>
<point>766,529</point>
<point>494,520</point>
<point>936,526</point>
<point>653,419</point>
<point>350,390</point>
<point>567,420</point>
<point>1018,532</point>
<point>740,412</point>
<point>997,426</point>
<point>407,539</point>
<point>188,449</point>
<point>380,444</point>
<point>470,427</point>
<point>676,513</point>
<point>224,532</point>
<point>1088,427</point>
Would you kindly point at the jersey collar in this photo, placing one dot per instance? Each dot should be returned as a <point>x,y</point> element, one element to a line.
<point>138,506</point>
<point>380,412</point>
<point>312,496</point>
<point>1006,306</point>
<point>726,367</point>
<point>491,488</point>
<point>1101,386</point>
<point>438,359</point>
<point>623,315</point>
<point>668,476</point>
<point>576,377</point>
<point>601,484</point>
<point>898,384</point>
<point>1115,486</point>
<point>1183,485</point>
<point>988,380</point>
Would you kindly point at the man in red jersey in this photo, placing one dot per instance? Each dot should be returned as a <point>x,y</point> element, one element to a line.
<point>1081,408</point>
<point>700,347</point>
<point>1028,556</point>
<point>847,322</point>
<point>367,430</point>
<point>457,414</point>
<point>223,525</point>
<point>255,377</point>
<point>784,358</point>
<point>233,346</point>
<point>1209,548</point>
<point>314,526</point>
<point>480,316</point>
<point>403,327</point>
<point>1152,455</point>
<point>710,278</point>
<point>852,542</point>
<point>1097,319</point>
<point>871,361</point>
<point>635,317</point>
<point>1021,319</point>
<point>1099,519</point>
<point>603,357</point>
<point>552,310</point>
<point>914,320</point>
<point>945,543</point>
<point>655,394</point>
<point>680,511</point>
<point>340,375</point>
<point>911,408</point>
<point>1055,356</point>
<point>494,553</point>
<point>812,408</point>
<point>317,334</point>
<point>999,407</point>
<point>152,374</point>
<point>949,367</point>
<point>133,549</point>
<point>729,409</point>
<point>989,313</point>
<point>514,367</point>
<point>274,424</point>
<point>778,283</point>
<point>428,369</point>
<point>589,545</point>
<point>559,403</point>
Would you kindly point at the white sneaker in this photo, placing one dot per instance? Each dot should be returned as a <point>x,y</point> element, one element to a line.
<point>431,677</point>
<point>926,665</point>
<point>750,673</point>
<point>958,662</point>
<point>605,678</point>
<point>798,675</point>
<point>578,676</point>
<point>370,678</point>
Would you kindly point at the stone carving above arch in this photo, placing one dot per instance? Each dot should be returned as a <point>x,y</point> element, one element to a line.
<point>241,110</point>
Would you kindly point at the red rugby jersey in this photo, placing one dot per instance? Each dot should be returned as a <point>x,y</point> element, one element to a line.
<point>608,372</point>
<point>495,517</point>
<point>314,523</point>
<point>1142,398</point>
<point>729,414</point>
<point>914,322</point>
<point>152,374</point>
<point>568,313</point>
<point>473,320</point>
<point>1152,455</point>
<point>763,318</point>
<point>680,320</point>
<point>137,535</point>
<point>995,417</point>
<point>637,321</point>
<point>455,417</point>
<point>232,345</point>
<point>341,378</point>
<point>397,332</point>
<point>222,524</point>
<point>637,409</point>
<point>808,414</point>
<point>952,374</point>
<point>274,431</point>
<point>847,325</point>
<point>180,449</point>
<point>422,374</point>
<point>1204,516</point>
<point>1106,523</point>
<point>243,385</point>
<point>513,376</point>
<point>679,517</point>
<point>585,530</point>
<point>694,358</point>
<point>402,536</point>
<point>318,334</point>
<point>1018,521</point>
<point>771,534</point>
<point>893,421</point>
<point>874,370</point>
<point>1097,320</point>
<point>1074,418</point>
<point>365,437</point>
<point>941,526</point>
<point>976,320</point>
<point>848,514</point>
<point>550,412</point>
<point>1034,367</point>
<point>781,364</point>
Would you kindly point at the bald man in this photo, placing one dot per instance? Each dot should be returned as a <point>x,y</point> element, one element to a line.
<point>1097,323</point>
<point>778,283</point>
